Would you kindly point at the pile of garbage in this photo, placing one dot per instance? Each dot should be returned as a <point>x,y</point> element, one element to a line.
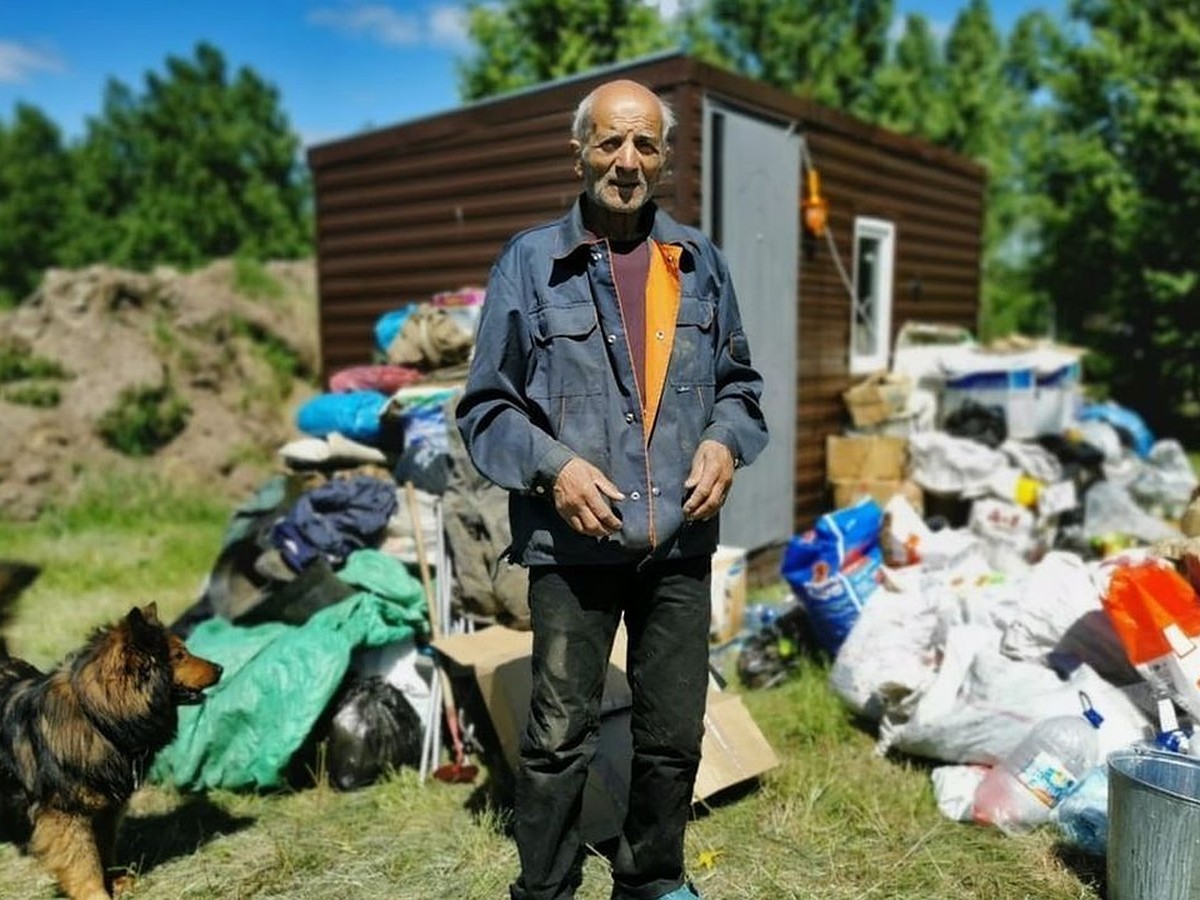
<point>334,578</point>
<point>1008,583</point>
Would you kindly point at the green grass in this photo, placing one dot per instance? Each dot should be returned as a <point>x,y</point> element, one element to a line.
<point>250,277</point>
<point>283,363</point>
<point>832,822</point>
<point>144,418</point>
<point>18,362</point>
<point>42,396</point>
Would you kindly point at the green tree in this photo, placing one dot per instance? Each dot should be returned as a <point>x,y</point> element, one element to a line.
<point>520,43</point>
<point>201,164</point>
<point>975,90</point>
<point>829,50</point>
<point>1014,300</point>
<point>989,91</point>
<point>912,84</point>
<point>1118,245</point>
<point>34,177</point>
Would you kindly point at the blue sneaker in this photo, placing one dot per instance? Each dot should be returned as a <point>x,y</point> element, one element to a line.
<point>683,892</point>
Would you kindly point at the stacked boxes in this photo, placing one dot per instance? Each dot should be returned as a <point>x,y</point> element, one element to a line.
<point>873,465</point>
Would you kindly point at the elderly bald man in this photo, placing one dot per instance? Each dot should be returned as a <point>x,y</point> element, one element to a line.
<point>611,393</point>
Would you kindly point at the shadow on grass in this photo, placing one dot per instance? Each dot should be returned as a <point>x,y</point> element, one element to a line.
<point>1090,870</point>
<point>701,809</point>
<point>493,795</point>
<point>152,840</point>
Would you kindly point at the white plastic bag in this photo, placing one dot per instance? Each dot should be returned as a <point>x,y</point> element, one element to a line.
<point>982,704</point>
<point>945,464</point>
<point>888,654</point>
<point>954,790</point>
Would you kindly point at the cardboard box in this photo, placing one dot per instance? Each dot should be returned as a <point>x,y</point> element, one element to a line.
<point>878,398</point>
<point>728,593</point>
<point>733,750</point>
<point>873,458</point>
<point>874,465</point>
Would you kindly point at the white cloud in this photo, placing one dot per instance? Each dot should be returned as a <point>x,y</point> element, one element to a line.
<point>443,25</point>
<point>18,61</point>
<point>448,26</point>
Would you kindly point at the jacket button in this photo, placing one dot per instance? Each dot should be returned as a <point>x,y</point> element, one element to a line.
<point>540,489</point>
<point>629,418</point>
<point>634,495</point>
<point>612,339</point>
<point>659,335</point>
<point>654,492</point>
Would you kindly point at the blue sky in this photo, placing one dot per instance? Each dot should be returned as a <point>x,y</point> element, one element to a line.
<point>340,65</point>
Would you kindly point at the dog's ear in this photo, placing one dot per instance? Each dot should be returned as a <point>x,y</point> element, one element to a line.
<point>142,626</point>
<point>150,613</point>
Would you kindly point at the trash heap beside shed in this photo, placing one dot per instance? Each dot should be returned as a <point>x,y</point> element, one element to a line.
<point>1002,560</point>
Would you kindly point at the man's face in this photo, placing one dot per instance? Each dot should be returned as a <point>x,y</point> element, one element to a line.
<point>622,158</point>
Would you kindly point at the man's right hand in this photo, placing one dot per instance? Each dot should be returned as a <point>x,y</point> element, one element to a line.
<point>581,495</point>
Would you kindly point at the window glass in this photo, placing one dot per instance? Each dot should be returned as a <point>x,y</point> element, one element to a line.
<point>871,317</point>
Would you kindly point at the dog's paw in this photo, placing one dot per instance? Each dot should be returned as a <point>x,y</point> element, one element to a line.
<point>123,884</point>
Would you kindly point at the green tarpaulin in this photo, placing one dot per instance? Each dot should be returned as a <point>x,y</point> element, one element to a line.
<point>279,678</point>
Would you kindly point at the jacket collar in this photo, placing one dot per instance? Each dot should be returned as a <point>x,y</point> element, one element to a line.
<point>570,234</point>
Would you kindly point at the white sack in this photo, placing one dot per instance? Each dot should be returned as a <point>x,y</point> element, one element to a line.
<point>945,464</point>
<point>982,704</point>
<point>888,654</point>
<point>954,790</point>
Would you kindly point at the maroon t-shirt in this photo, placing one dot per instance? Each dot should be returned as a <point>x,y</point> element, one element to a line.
<point>631,266</point>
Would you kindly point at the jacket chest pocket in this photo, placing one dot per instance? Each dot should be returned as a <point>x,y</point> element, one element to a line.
<point>569,358</point>
<point>693,356</point>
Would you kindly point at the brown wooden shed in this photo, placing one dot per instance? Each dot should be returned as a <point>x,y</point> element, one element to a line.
<point>425,206</point>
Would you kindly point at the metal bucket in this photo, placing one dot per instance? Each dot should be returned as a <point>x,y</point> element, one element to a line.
<point>1153,826</point>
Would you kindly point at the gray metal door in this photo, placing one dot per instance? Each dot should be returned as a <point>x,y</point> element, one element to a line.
<point>751,209</point>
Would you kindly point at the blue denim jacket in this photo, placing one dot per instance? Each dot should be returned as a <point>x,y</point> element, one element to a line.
<point>551,378</point>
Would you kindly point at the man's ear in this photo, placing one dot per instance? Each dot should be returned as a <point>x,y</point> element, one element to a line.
<point>577,152</point>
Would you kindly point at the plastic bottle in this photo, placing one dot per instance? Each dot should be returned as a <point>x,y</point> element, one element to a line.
<point>1019,792</point>
<point>1183,664</point>
<point>1170,736</point>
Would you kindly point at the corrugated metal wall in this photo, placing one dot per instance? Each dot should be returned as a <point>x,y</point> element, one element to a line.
<point>426,206</point>
<point>938,217</point>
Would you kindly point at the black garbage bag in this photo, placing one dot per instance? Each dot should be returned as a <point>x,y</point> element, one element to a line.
<point>986,424</point>
<point>770,655</point>
<point>374,729</point>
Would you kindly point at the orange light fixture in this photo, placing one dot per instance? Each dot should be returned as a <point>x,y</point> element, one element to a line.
<point>813,207</point>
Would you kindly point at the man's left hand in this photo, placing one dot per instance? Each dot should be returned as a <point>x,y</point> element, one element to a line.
<point>709,480</point>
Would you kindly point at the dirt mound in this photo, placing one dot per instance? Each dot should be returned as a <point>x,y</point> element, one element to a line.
<point>235,347</point>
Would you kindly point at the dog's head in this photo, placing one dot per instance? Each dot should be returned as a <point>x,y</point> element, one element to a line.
<point>190,674</point>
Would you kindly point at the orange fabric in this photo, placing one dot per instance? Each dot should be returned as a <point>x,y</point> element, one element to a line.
<point>1144,599</point>
<point>662,308</point>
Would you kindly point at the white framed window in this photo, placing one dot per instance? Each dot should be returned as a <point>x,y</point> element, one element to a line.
<point>871,315</point>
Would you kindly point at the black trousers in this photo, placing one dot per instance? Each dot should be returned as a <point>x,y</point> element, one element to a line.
<point>575,611</point>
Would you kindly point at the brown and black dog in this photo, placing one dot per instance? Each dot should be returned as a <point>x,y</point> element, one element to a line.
<point>76,741</point>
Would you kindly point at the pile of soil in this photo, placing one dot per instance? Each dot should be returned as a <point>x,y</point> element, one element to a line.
<point>241,361</point>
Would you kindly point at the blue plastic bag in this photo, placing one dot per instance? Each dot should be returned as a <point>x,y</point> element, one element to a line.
<point>835,603</point>
<point>389,324</point>
<point>356,415</point>
<point>1126,421</point>
<point>836,538</point>
<point>834,568</point>
<point>1082,815</point>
